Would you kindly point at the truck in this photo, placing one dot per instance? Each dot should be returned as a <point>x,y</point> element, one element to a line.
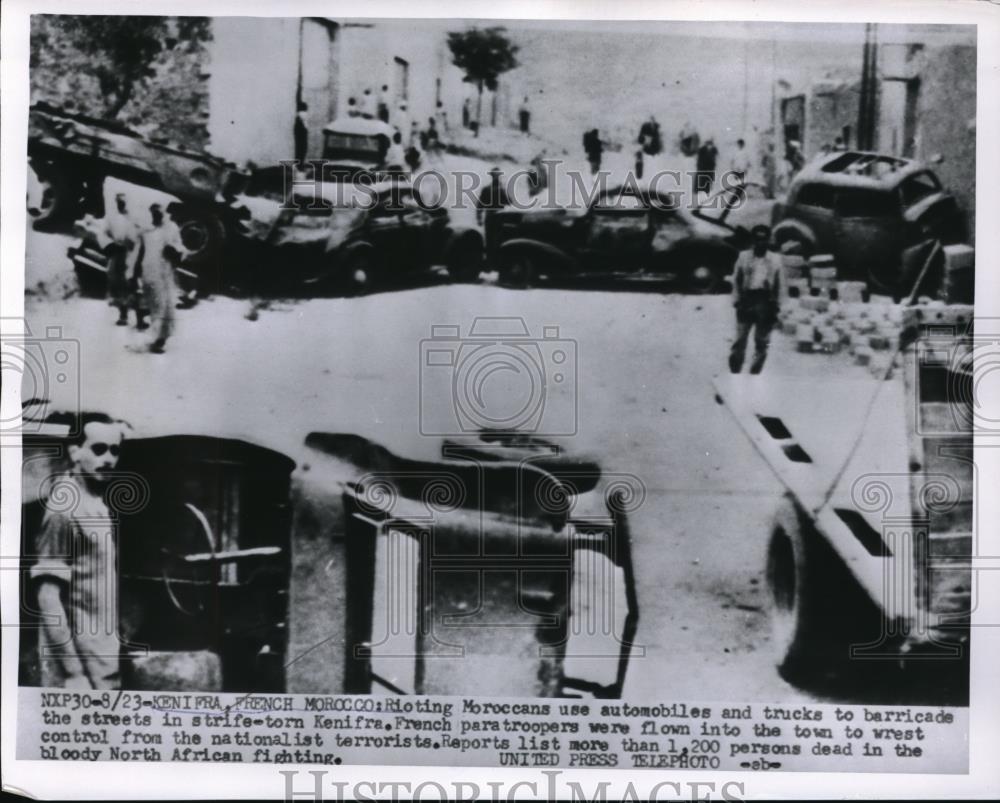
<point>72,154</point>
<point>869,554</point>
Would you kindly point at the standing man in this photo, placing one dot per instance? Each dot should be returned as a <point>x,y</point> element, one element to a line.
<point>756,297</point>
<point>594,149</point>
<point>76,574</point>
<point>739,165</point>
<point>524,116</point>
<point>491,198</point>
<point>705,161</point>
<point>123,236</point>
<point>301,132</point>
<point>383,103</point>
<point>161,250</point>
<point>368,105</point>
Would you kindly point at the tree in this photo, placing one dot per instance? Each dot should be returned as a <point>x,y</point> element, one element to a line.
<point>120,51</point>
<point>483,54</point>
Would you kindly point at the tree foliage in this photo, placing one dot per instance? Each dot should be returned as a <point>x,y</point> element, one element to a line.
<point>120,52</point>
<point>483,54</point>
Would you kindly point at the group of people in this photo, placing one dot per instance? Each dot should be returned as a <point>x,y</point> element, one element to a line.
<point>141,263</point>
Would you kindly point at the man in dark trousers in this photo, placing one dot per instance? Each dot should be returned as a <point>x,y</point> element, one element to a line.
<point>301,133</point>
<point>594,149</point>
<point>756,297</point>
<point>704,176</point>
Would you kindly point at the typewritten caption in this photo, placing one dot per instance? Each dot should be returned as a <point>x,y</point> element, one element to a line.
<point>331,730</point>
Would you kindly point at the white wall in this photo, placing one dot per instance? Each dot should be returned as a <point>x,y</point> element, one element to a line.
<point>254,72</point>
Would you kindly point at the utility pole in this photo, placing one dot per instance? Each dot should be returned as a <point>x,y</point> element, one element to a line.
<point>868,104</point>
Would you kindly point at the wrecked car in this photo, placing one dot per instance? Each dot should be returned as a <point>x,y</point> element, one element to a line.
<point>867,209</point>
<point>372,235</point>
<point>641,236</point>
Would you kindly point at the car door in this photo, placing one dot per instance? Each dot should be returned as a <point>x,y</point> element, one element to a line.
<point>813,206</point>
<point>617,235</point>
<point>870,233</point>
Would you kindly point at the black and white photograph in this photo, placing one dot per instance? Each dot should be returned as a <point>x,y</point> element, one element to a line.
<point>514,392</point>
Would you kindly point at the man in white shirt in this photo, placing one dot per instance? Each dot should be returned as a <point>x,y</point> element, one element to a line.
<point>756,297</point>
<point>739,165</point>
<point>76,576</point>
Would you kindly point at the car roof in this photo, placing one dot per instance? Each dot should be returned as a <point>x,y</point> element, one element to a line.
<point>866,169</point>
<point>359,126</point>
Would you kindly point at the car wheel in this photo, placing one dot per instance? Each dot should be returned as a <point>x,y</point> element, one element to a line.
<point>361,271</point>
<point>519,270</point>
<point>704,274</point>
<point>817,609</point>
<point>204,237</point>
<point>55,198</point>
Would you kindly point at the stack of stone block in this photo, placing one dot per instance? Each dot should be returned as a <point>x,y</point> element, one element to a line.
<point>827,316</point>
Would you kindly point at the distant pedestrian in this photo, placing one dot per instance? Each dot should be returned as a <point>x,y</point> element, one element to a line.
<point>466,114</point>
<point>594,149</point>
<point>395,156</point>
<point>639,163</point>
<point>383,103</point>
<point>367,105</point>
<point>795,157</point>
<point>402,120</point>
<point>352,108</point>
<point>442,120</point>
<point>649,137</point>
<point>838,144</point>
<point>491,198</point>
<point>161,250</point>
<point>301,132</point>
<point>524,116</point>
<point>739,163</point>
<point>432,142</point>
<point>756,298</point>
<point>123,236</point>
<point>705,163</point>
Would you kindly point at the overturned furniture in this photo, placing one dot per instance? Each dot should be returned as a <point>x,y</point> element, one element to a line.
<point>460,576</point>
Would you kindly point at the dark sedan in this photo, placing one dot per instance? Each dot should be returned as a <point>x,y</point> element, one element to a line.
<point>626,232</point>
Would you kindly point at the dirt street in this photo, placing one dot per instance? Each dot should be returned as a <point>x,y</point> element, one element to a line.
<point>642,398</point>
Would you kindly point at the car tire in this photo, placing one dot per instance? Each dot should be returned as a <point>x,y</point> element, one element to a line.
<point>204,235</point>
<point>361,272</point>
<point>817,609</point>
<point>518,270</point>
<point>704,274</point>
<point>59,198</point>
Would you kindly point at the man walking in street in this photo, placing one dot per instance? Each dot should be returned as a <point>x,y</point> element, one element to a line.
<point>76,573</point>
<point>756,297</point>
<point>161,250</point>
<point>123,235</point>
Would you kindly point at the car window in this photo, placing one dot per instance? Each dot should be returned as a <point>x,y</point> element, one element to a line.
<point>818,195</point>
<point>866,203</point>
<point>917,187</point>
